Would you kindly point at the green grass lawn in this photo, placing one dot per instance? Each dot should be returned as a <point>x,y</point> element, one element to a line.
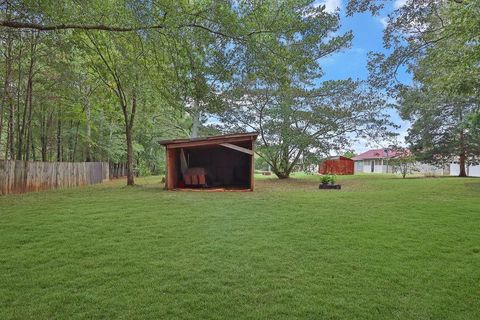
<point>381,248</point>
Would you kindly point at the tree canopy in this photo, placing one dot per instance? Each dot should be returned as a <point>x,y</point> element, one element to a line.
<point>78,77</point>
<point>105,80</point>
<point>437,41</point>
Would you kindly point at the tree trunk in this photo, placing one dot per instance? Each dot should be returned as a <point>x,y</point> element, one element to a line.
<point>404,169</point>
<point>59,139</point>
<point>7,79</point>
<point>11,132</point>
<point>11,116</point>
<point>29,122</point>
<point>463,172</point>
<point>43,136</point>
<point>281,175</point>
<point>7,99</point>
<point>25,130</point>
<point>196,115</point>
<point>75,141</point>
<point>19,113</point>
<point>130,174</point>
<point>128,118</point>
<point>34,155</point>
<point>15,114</point>
<point>128,132</point>
<point>21,131</point>
<point>88,131</point>
<point>33,48</point>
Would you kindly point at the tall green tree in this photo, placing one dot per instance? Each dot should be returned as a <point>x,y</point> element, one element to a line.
<point>128,43</point>
<point>440,131</point>
<point>280,93</point>
<point>296,123</point>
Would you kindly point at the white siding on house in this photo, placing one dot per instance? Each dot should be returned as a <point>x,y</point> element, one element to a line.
<point>365,166</point>
<point>358,167</point>
<point>472,171</point>
<point>430,169</point>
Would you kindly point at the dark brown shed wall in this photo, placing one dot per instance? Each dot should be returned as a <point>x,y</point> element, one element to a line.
<point>230,168</point>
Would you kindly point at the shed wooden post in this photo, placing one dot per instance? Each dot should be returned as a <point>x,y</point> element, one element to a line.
<point>252,173</point>
<point>171,172</point>
<point>166,169</point>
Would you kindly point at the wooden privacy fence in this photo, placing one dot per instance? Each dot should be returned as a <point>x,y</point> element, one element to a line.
<point>28,176</point>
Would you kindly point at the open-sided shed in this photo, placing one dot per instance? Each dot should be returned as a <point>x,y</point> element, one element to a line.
<point>336,165</point>
<point>223,162</point>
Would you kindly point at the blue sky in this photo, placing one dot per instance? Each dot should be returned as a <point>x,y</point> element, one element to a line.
<point>352,62</point>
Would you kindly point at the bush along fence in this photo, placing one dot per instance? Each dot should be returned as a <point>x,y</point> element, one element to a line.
<point>29,176</point>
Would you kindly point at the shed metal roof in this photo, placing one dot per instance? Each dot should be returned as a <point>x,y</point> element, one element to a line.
<point>376,154</point>
<point>337,158</point>
<point>209,140</point>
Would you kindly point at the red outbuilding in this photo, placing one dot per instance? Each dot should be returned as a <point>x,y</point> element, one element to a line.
<point>336,165</point>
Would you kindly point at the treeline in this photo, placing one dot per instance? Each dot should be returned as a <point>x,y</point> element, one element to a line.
<point>88,94</point>
<point>105,80</point>
<point>56,105</point>
<point>50,103</point>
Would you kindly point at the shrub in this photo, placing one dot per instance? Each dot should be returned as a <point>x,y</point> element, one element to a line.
<point>329,179</point>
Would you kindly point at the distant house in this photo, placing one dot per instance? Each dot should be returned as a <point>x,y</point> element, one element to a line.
<point>379,161</point>
<point>374,161</point>
<point>336,165</point>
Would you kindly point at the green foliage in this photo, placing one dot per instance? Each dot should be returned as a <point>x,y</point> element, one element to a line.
<point>437,42</point>
<point>261,164</point>
<point>186,62</point>
<point>349,154</point>
<point>328,179</point>
<point>440,126</point>
<point>403,161</point>
<point>296,123</point>
<point>142,169</point>
<point>280,94</point>
<point>474,125</point>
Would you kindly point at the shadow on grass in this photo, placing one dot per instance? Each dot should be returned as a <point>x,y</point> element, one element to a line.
<point>475,186</point>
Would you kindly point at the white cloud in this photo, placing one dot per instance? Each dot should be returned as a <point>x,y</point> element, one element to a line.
<point>399,3</point>
<point>358,50</point>
<point>330,5</point>
<point>383,21</point>
<point>327,61</point>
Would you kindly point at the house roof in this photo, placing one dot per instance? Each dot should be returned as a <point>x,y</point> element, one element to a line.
<point>234,137</point>
<point>376,154</point>
<point>337,158</point>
